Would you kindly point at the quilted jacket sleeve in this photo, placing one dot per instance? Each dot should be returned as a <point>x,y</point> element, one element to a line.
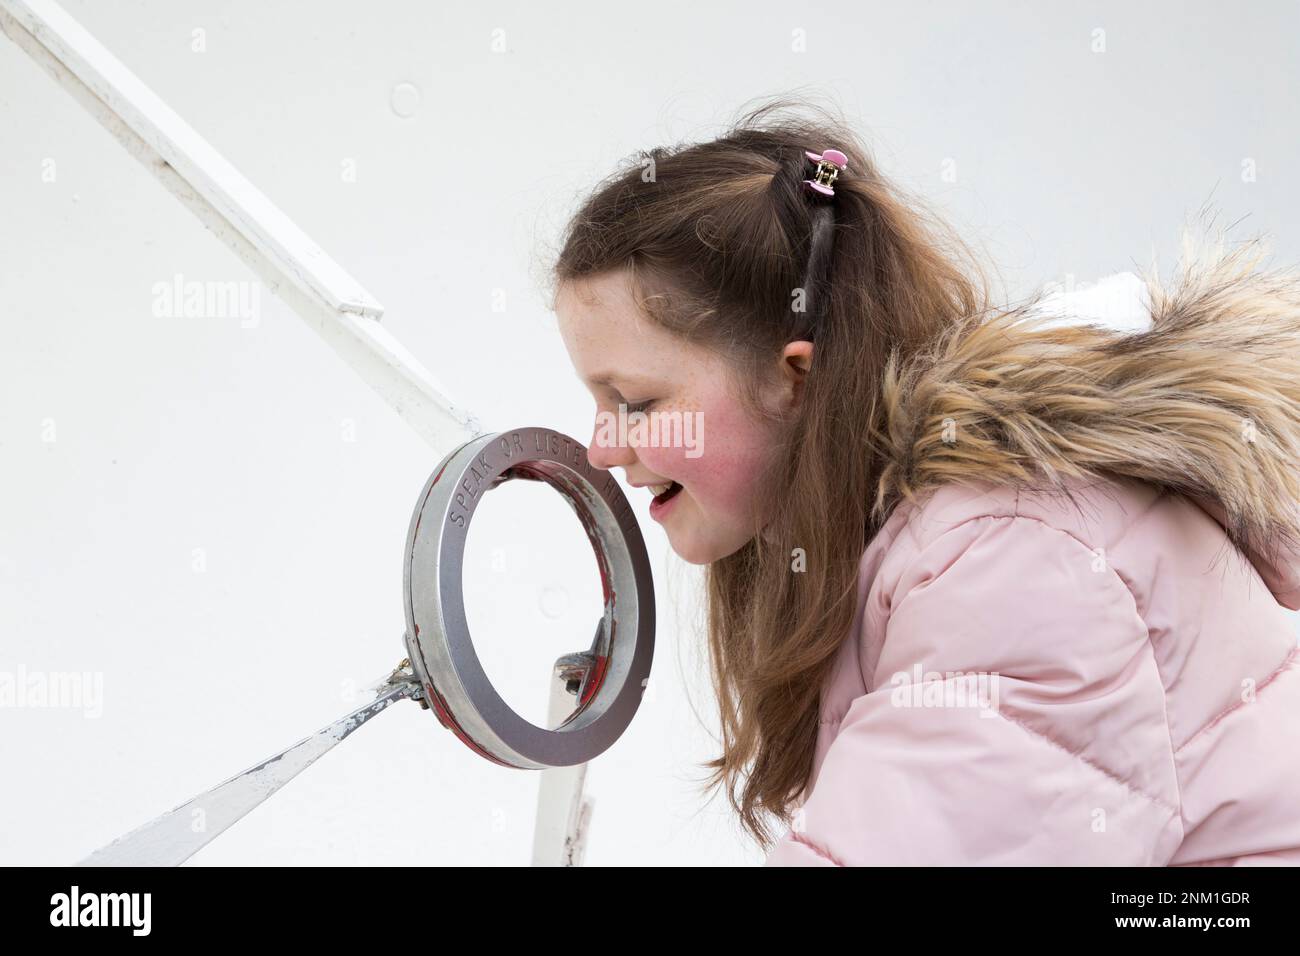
<point>1016,717</point>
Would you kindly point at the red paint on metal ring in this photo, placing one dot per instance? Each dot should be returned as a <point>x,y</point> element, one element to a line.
<point>602,664</point>
<point>447,720</point>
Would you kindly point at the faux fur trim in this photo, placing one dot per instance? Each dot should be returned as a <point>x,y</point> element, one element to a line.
<point>1206,402</point>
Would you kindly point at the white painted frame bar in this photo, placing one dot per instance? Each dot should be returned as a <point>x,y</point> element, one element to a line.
<point>293,266</point>
<point>563,814</point>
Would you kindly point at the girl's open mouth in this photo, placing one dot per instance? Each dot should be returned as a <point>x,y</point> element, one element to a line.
<point>672,490</point>
<point>662,502</point>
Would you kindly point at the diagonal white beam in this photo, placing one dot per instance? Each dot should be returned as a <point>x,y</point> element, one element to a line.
<point>293,266</point>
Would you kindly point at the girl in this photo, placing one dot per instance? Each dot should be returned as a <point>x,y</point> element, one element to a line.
<point>979,590</point>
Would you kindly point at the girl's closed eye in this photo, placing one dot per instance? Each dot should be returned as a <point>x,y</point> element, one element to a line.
<point>640,406</point>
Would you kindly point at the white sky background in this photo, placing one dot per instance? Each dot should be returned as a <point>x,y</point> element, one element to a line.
<point>176,434</point>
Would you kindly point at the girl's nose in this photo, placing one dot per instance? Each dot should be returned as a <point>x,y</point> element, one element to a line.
<point>611,454</point>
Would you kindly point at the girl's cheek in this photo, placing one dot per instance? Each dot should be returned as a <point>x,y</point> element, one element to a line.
<point>720,470</point>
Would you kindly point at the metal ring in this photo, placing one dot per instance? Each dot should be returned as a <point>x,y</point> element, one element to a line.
<point>611,677</point>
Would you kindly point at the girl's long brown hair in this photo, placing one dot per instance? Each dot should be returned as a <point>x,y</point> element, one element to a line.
<point>723,246</point>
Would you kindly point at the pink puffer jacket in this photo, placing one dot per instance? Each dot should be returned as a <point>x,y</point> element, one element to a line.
<point>1108,681</point>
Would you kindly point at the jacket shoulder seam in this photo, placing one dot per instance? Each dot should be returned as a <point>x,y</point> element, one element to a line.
<point>1089,763</point>
<point>803,840</point>
<point>1046,524</point>
<point>1150,648</point>
<point>1218,718</point>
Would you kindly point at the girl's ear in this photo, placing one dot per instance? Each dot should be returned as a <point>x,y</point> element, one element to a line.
<point>796,360</point>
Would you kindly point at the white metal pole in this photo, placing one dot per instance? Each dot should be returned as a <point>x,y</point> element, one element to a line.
<point>560,834</point>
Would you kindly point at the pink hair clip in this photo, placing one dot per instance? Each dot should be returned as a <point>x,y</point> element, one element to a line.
<point>829,165</point>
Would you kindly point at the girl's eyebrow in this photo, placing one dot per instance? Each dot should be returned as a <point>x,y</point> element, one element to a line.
<point>608,378</point>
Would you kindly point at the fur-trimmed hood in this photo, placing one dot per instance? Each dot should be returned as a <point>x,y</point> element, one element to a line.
<point>1205,402</point>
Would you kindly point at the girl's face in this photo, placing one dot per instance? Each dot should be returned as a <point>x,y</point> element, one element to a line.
<point>623,356</point>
